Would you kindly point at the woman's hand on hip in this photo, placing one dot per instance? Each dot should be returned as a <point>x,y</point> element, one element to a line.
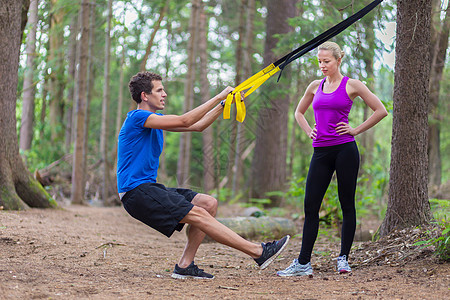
<point>344,128</point>
<point>313,134</point>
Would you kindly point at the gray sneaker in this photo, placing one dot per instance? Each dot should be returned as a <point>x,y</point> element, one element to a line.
<point>296,269</point>
<point>342,265</point>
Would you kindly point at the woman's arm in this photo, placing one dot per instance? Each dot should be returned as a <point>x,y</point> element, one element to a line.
<point>303,105</point>
<point>357,88</point>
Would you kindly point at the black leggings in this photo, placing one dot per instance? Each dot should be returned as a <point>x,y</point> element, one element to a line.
<point>344,159</point>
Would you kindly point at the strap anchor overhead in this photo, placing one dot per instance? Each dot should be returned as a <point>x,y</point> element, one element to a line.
<point>255,81</point>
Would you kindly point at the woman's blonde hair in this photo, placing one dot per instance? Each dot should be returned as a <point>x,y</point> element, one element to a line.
<point>334,48</point>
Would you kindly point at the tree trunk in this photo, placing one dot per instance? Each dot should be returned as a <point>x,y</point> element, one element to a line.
<point>119,118</point>
<point>439,44</point>
<point>184,154</point>
<point>152,37</point>
<point>408,186</point>
<point>26,128</point>
<point>207,135</point>
<point>18,189</point>
<point>240,73</point>
<point>269,162</point>
<point>104,133</point>
<point>89,86</point>
<point>72,59</point>
<point>78,159</point>
<point>43,107</point>
<point>56,61</point>
<point>367,137</point>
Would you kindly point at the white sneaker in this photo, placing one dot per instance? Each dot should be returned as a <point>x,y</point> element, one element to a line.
<point>342,265</point>
<point>296,269</point>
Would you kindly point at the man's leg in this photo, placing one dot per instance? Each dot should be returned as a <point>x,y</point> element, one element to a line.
<point>202,220</point>
<point>195,235</point>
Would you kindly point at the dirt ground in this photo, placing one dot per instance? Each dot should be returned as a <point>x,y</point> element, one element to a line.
<point>82,252</point>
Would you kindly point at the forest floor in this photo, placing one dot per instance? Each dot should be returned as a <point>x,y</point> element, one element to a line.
<point>82,252</point>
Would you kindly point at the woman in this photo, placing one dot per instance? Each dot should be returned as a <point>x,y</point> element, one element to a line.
<point>335,149</point>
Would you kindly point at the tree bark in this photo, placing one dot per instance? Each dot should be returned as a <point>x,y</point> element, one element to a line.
<point>89,85</point>
<point>367,137</point>
<point>119,118</point>
<point>440,33</point>
<point>408,187</point>
<point>78,159</point>
<point>72,59</point>
<point>18,189</point>
<point>184,154</point>
<point>104,133</point>
<point>240,74</point>
<point>152,37</point>
<point>56,61</point>
<point>207,134</point>
<point>269,162</point>
<point>26,128</point>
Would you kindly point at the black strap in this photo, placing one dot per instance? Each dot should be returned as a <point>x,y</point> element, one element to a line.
<point>333,31</point>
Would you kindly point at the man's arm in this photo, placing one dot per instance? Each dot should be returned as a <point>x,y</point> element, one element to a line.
<point>204,122</point>
<point>183,122</point>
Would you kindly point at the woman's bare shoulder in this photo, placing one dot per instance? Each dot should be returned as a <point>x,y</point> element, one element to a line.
<point>312,87</point>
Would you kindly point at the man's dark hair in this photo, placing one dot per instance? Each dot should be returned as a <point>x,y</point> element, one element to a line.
<point>142,82</point>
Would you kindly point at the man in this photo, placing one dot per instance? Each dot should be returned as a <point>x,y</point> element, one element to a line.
<point>168,209</point>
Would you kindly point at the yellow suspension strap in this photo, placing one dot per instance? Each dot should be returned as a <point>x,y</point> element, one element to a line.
<point>259,78</point>
<point>251,85</point>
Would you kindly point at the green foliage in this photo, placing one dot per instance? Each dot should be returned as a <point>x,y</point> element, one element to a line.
<point>444,113</point>
<point>259,202</point>
<point>441,241</point>
<point>440,233</point>
<point>440,209</point>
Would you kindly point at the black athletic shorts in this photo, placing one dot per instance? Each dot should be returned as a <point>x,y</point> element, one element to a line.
<point>159,207</point>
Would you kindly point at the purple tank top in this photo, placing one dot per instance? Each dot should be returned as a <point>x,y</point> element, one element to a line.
<point>330,109</point>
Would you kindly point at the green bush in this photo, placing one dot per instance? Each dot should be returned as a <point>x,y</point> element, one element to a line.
<point>440,234</point>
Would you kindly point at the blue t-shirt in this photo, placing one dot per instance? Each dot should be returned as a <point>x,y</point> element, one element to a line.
<point>138,151</point>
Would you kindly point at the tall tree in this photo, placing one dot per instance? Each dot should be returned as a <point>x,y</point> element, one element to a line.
<point>269,161</point>
<point>106,94</point>
<point>56,62</point>
<point>439,43</point>
<point>90,83</point>
<point>368,56</point>
<point>156,27</point>
<point>184,155</point>
<point>119,117</point>
<point>18,189</point>
<point>72,59</point>
<point>78,165</point>
<point>238,127</point>
<point>26,128</point>
<point>408,187</point>
<point>207,134</point>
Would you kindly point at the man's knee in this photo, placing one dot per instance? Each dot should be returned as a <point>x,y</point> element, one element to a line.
<point>211,205</point>
<point>207,202</point>
<point>197,216</point>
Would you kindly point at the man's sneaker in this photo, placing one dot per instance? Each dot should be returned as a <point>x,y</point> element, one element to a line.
<point>342,265</point>
<point>296,269</point>
<point>270,251</point>
<point>192,271</point>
